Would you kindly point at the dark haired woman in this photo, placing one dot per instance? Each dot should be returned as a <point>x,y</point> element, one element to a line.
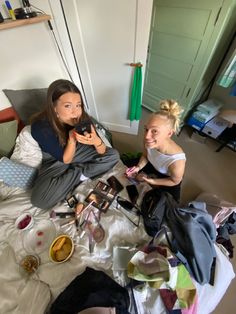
<point>68,157</point>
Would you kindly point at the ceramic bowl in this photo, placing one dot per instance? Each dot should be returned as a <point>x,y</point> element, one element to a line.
<point>24,221</point>
<point>61,249</point>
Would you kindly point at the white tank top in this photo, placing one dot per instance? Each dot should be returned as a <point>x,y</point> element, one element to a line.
<point>161,162</point>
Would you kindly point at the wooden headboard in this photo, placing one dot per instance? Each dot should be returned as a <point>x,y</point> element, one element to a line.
<point>10,114</point>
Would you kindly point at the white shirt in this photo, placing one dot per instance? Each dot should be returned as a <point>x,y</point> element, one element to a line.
<point>161,162</point>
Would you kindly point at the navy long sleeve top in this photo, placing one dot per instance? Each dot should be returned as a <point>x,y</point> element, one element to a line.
<point>47,138</point>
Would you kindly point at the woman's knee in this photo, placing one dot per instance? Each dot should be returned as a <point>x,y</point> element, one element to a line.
<point>37,200</point>
<point>42,197</point>
<point>113,154</point>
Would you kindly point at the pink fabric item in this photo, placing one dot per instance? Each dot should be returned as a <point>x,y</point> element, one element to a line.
<point>99,310</point>
<point>222,215</point>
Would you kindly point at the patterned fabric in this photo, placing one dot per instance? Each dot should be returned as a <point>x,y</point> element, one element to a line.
<point>158,267</point>
<point>16,174</point>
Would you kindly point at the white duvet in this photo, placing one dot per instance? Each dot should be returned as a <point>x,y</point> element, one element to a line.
<point>22,294</point>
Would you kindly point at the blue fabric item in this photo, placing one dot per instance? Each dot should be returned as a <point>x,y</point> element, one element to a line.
<point>233,90</point>
<point>46,137</point>
<point>16,174</point>
<point>193,231</point>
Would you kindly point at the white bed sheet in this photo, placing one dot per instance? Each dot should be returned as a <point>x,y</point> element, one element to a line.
<point>19,294</point>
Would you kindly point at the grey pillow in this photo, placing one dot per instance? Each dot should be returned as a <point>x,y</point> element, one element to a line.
<point>26,102</point>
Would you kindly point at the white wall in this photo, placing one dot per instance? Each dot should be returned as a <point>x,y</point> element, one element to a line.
<point>28,56</point>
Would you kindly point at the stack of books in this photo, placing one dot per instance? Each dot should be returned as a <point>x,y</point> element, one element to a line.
<point>204,113</point>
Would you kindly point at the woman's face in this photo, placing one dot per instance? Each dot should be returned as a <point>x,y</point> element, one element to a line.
<point>157,131</point>
<point>68,108</point>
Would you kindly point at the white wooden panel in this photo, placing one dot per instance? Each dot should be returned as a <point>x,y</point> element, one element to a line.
<point>106,36</point>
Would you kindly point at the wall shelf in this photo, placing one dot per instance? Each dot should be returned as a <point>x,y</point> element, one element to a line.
<point>11,23</point>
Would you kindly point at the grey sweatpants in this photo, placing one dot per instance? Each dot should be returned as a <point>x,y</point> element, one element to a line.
<point>56,179</point>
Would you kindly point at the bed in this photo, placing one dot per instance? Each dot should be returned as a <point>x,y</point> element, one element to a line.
<point>34,294</point>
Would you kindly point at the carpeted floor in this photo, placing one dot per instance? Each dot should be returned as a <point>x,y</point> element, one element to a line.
<point>206,171</point>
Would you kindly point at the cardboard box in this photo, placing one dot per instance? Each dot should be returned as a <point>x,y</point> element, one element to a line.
<point>210,106</point>
<point>199,137</point>
<point>215,127</point>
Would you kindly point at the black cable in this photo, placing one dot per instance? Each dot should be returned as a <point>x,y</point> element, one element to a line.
<point>61,54</point>
<point>59,49</point>
<point>40,11</point>
<point>72,48</point>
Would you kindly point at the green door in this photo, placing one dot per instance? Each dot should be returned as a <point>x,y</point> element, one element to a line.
<point>179,36</point>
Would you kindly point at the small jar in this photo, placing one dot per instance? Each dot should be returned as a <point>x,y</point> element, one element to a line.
<point>24,221</point>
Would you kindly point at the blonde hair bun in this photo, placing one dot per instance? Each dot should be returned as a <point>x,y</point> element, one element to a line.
<point>171,106</point>
<point>172,110</point>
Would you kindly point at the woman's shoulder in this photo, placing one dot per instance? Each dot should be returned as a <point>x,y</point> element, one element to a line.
<point>174,149</point>
<point>41,127</point>
<point>41,122</point>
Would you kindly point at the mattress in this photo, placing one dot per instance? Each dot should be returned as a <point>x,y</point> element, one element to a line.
<point>21,293</point>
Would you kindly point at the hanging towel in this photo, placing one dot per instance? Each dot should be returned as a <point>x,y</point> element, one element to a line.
<point>228,76</point>
<point>136,99</point>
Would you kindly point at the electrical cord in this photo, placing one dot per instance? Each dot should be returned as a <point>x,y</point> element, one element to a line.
<point>39,10</point>
<point>72,48</point>
<point>27,3</point>
<point>61,54</point>
<point>59,49</point>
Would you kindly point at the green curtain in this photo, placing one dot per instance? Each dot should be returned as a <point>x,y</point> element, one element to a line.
<point>136,95</point>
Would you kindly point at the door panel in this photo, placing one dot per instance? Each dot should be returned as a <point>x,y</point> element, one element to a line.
<point>179,37</point>
<point>182,48</point>
<point>170,20</point>
<point>170,67</point>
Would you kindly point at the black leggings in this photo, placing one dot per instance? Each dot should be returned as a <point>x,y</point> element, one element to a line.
<point>173,190</point>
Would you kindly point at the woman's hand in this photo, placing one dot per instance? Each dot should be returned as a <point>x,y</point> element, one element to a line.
<point>71,138</point>
<point>132,172</point>
<point>150,181</point>
<point>88,138</point>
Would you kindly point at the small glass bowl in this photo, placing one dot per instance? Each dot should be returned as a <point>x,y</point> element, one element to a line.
<point>29,264</point>
<point>24,221</point>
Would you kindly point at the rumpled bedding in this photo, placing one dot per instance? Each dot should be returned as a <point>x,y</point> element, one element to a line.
<point>21,294</point>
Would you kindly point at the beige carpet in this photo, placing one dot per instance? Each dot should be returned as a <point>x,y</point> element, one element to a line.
<point>206,171</point>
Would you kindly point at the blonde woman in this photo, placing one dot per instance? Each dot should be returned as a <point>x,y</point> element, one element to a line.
<point>162,160</point>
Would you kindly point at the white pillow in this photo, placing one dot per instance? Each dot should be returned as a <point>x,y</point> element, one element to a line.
<point>27,150</point>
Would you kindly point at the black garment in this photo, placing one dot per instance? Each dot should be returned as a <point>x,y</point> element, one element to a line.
<point>154,205</point>
<point>90,289</point>
<point>224,232</point>
<point>228,228</point>
<point>173,190</point>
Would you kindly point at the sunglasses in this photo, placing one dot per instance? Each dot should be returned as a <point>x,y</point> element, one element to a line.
<point>130,208</point>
